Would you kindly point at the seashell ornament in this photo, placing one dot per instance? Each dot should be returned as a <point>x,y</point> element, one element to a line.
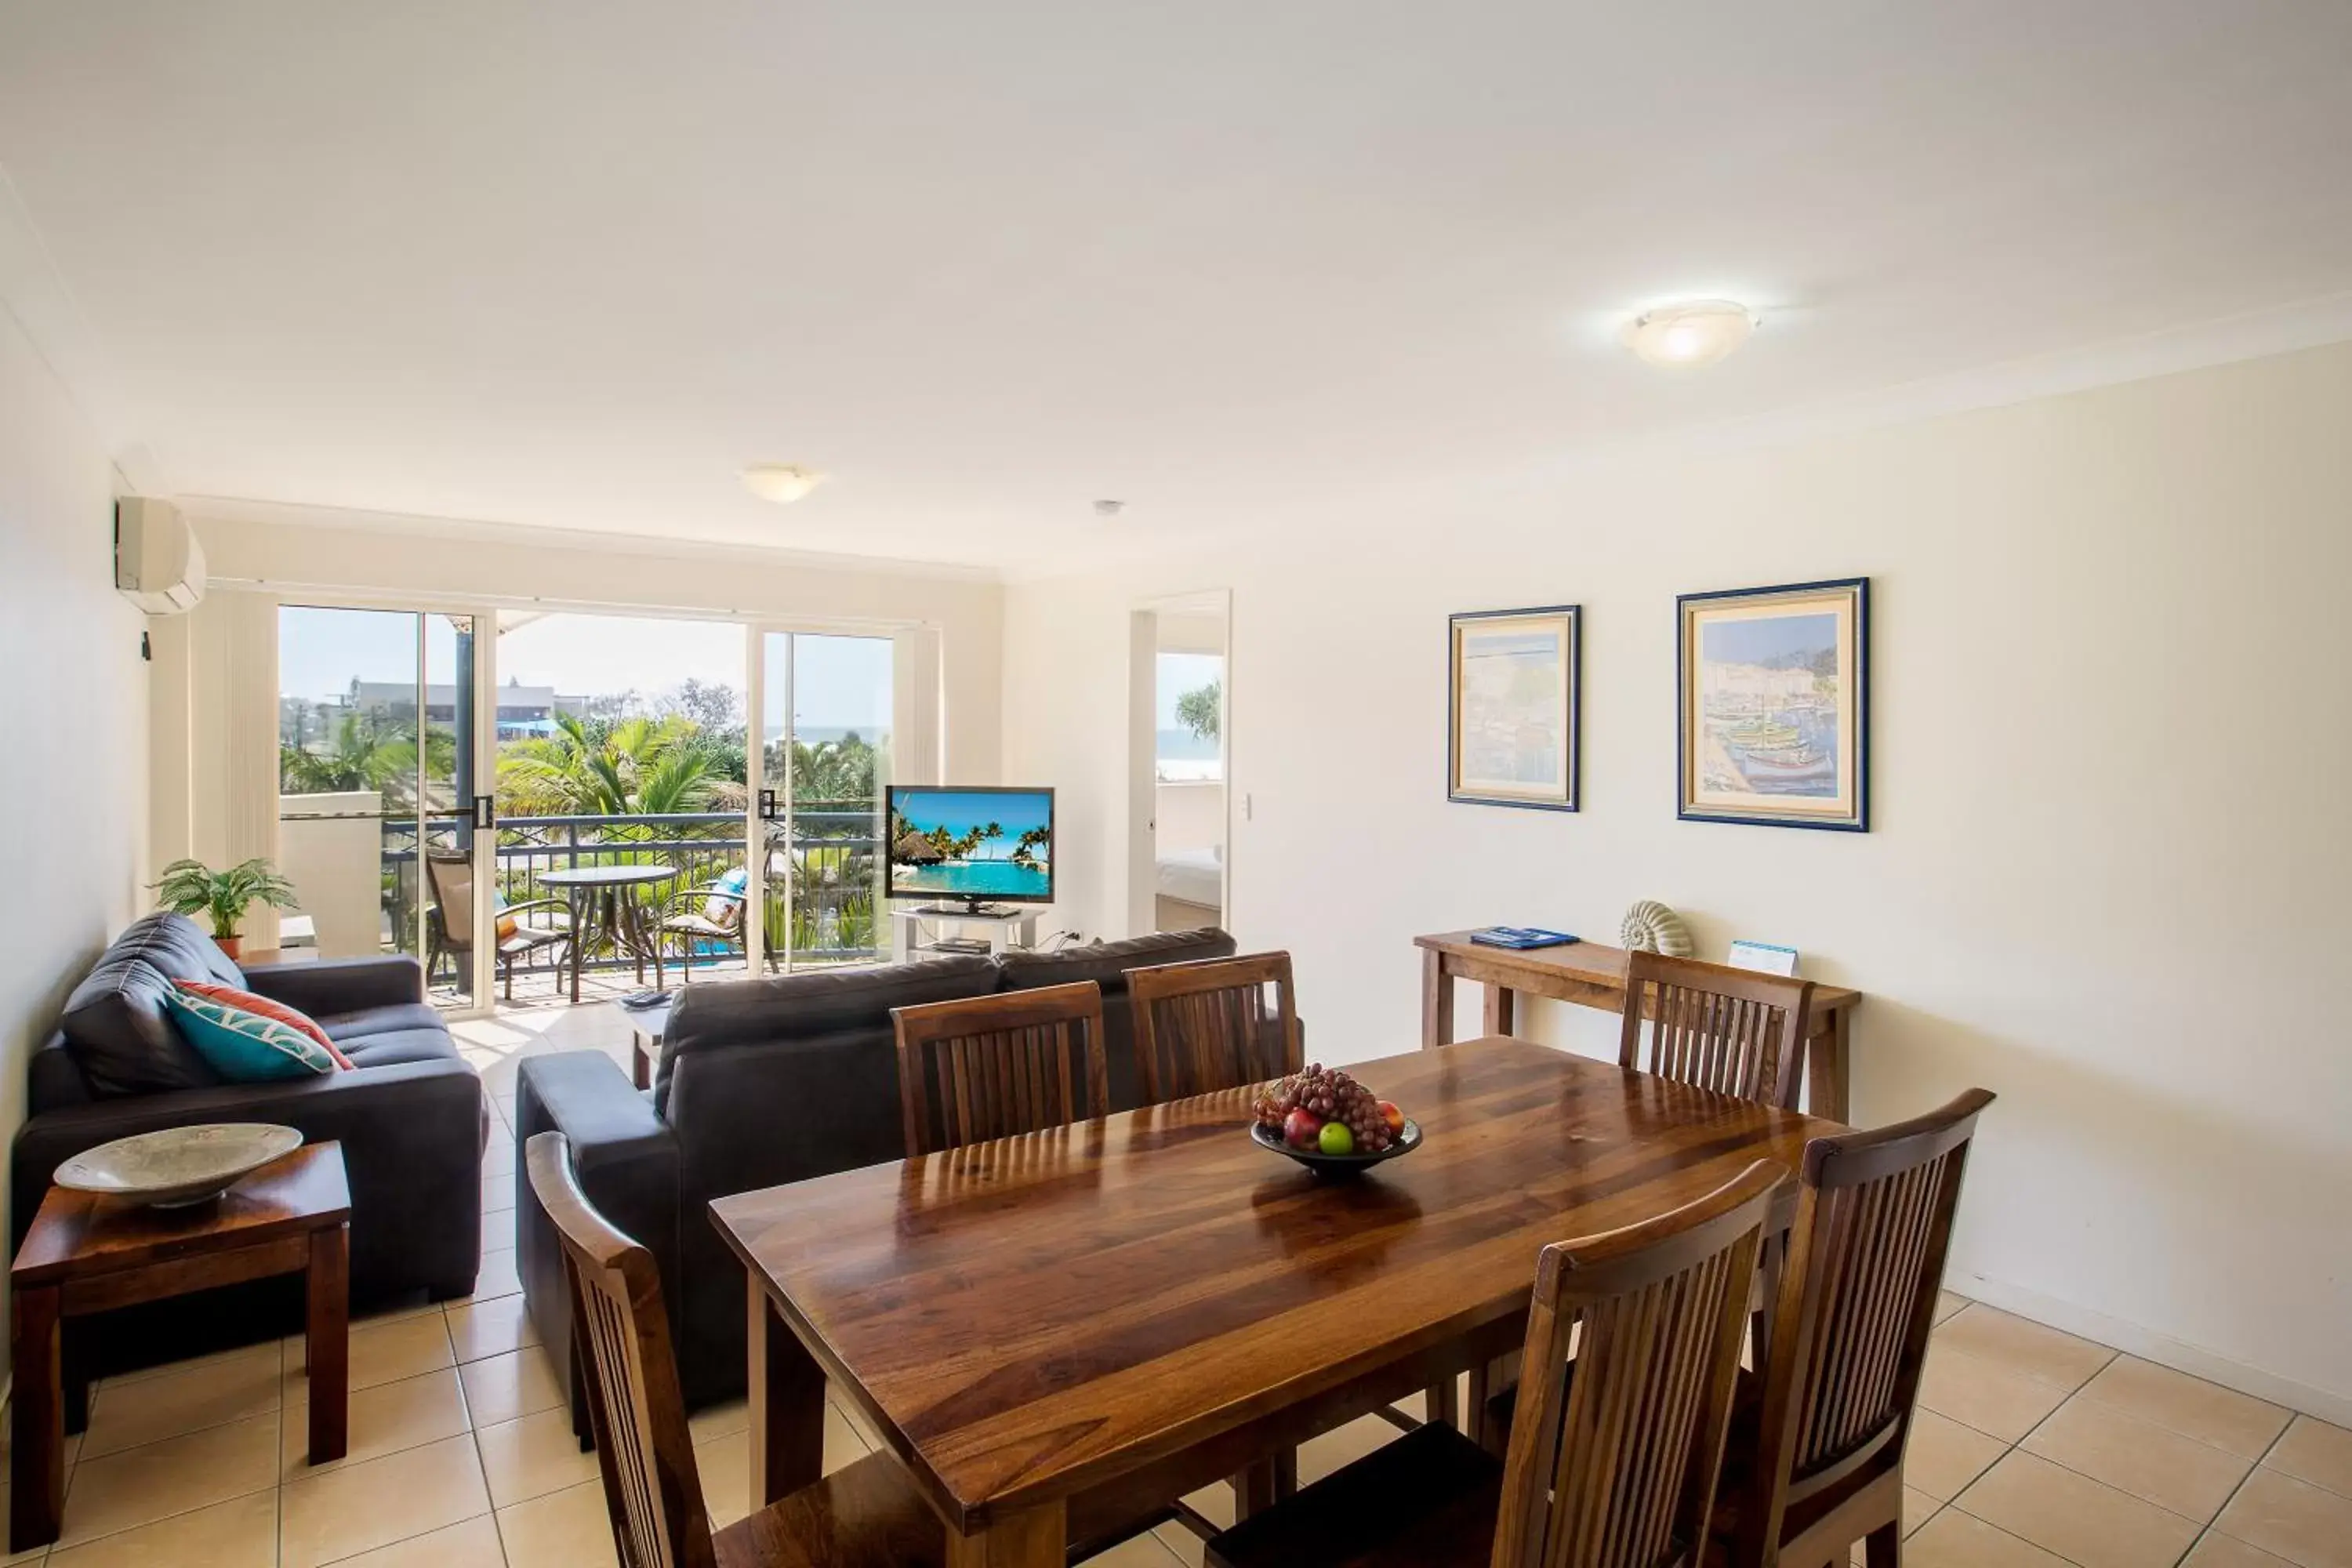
<point>1651,927</point>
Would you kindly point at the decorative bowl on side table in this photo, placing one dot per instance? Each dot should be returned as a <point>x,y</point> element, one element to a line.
<point>177,1166</point>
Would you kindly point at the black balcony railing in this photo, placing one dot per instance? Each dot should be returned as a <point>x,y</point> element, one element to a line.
<point>823,871</point>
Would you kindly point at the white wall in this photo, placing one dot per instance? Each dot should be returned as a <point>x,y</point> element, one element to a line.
<point>73,788</point>
<point>2108,871</point>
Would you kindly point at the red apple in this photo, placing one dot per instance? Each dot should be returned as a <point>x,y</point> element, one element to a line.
<point>1393,1117</point>
<point>1302,1130</point>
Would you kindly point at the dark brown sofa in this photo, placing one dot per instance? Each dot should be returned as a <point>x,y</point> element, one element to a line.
<point>410,1118</point>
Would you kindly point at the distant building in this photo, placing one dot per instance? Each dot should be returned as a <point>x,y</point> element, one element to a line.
<point>523,711</point>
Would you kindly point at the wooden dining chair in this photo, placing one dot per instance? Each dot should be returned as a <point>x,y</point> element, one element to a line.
<point>1618,1467</point>
<point>1865,1260</point>
<point>1714,1027</point>
<point>865,1515</point>
<point>1709,1025</point>
<point>992,1066</point>
<point>1204,1026</point>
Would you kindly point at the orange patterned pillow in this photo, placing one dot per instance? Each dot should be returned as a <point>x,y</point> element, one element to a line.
<point>245,1001</point>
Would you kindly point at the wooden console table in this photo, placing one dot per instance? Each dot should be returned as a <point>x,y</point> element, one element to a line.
<point>1592,975</point>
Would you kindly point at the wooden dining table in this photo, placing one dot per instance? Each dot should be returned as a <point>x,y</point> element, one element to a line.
<point>1060,1334</point>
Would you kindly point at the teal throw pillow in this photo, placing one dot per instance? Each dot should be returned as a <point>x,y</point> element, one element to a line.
<point>246,1047</point>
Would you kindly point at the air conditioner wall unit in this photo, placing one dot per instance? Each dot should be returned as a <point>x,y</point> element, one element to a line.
<point>158,564</point>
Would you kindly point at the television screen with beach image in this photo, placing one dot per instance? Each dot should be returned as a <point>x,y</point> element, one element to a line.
<point>971,844</point>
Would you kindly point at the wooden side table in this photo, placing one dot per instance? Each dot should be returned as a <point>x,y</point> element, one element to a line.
<point>646,1026</point>
<point>86,1253</point>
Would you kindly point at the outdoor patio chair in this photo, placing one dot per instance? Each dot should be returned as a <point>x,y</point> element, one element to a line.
<point>712,912</point>
<point>449,923</point>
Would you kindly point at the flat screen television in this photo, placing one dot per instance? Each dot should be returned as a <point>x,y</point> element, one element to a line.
<point>974,844</point>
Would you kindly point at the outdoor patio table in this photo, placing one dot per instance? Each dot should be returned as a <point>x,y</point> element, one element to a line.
<point>600,906</point>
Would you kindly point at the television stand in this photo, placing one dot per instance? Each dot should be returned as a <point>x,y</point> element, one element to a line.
<point>1002,928</point>
<point>970,910</point>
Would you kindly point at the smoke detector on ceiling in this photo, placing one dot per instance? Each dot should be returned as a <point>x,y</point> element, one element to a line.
<point>1109,508</point>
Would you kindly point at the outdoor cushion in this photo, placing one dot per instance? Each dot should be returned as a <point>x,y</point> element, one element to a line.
<point>246,1047</point>
<point>720,910</point>
<point>245,1001</point>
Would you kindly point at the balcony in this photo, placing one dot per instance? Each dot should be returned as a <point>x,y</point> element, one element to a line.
<point>819,910</point>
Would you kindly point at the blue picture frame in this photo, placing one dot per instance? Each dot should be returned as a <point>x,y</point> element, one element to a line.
<point>1772,706</point>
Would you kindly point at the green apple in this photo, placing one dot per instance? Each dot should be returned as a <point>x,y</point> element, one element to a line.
<point>1336,1140</point>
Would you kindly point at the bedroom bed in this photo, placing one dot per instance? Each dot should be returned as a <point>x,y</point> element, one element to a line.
<point>1191,888</point>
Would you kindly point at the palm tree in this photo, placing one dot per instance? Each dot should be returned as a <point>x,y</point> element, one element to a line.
<point>365,752</point>
<point>844,770</point>
<point>637,766</point>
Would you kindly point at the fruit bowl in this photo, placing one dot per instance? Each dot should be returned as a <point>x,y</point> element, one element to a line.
<point>1324,1165</point>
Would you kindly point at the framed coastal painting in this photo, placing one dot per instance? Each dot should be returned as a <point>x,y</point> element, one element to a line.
<point>1512,717</point>
<point>1774,705</point>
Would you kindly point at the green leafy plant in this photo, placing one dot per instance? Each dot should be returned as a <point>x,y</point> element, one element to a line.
<point>590,768</point>
<point>191,887</point>
<point>365,752</point>
<point>1197,709</point>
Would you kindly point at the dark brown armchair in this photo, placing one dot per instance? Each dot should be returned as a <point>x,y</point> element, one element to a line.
<point>449,923</point>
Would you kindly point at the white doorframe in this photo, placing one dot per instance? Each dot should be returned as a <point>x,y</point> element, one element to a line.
<point>1144,639</point>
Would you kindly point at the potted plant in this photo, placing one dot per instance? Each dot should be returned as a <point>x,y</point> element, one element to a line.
<point>189,887</point>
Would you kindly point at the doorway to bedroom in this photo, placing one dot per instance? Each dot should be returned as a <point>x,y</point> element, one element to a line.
<point>1178,871</point>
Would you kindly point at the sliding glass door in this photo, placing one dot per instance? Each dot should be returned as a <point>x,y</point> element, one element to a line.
<point>382,792</point>
<point>824,706</point>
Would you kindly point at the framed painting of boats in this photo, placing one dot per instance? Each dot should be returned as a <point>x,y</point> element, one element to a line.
<point>1774,705</point>
<point>1511,717</point>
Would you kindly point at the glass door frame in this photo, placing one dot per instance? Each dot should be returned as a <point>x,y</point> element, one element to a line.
<point>773,802</point>
<point>477,810</point>
<point>483,714</point>
<point>765,803</point>
<point>485,610</point>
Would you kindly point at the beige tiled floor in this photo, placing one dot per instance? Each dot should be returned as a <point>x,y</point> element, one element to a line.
<point>2033,1448</point>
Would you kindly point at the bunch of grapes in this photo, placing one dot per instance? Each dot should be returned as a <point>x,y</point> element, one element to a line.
<point>1333,1096</point>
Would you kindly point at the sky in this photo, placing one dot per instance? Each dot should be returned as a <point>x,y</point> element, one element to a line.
<point>1767,637</point>
<point>842,682</point>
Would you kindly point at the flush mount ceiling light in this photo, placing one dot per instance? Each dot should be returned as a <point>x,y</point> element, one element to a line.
<point>1699,332</point>
<point>782,483</point>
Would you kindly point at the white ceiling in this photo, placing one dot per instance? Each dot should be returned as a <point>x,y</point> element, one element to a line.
<point>1240,265</point>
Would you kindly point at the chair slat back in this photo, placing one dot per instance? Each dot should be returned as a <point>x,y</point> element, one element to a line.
<point>1730,1030</point>
<point>451,872</point>
<point>1615,1466</point>
<point>994,1067</point>
<point>635,1405</point>
<point>1857,1299</point>
<point>1205,1026</point>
